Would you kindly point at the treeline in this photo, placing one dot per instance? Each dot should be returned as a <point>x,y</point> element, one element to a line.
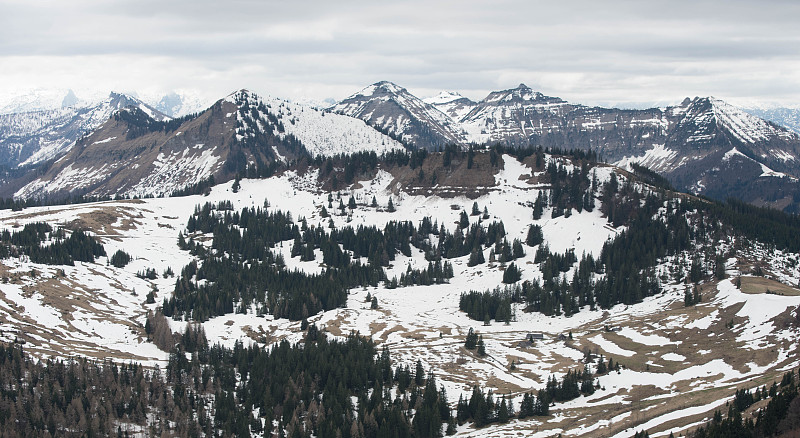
<point>341,170</point>
<point>318,387</point>
<point>764,224</point>
<point>17,204</point>
<point>140,123</point>
<point>32,240</point>
<point>83,398</point>
<point>651,177</point>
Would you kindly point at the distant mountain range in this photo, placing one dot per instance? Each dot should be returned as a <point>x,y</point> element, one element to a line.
<point>29,138</point>
<point>786,117</point>
<point>123,146</point>
<point>703,144</point>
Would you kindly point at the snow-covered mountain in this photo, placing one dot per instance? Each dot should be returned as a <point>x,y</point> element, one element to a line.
<point>28,138</point>
<point>179,103</point>
<point>393,110</point>
<point>684,142</point>
<point>39,99</point>
<point>133,154</point>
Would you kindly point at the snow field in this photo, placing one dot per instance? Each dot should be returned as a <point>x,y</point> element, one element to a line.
<point>417,322</point>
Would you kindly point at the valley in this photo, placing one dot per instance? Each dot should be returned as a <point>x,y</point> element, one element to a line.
<point>677,363</point>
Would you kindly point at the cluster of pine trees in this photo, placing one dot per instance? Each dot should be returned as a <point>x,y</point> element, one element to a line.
<point>42,244</point>
<point>84,398</point>
<point>319,387</point>
<point>624,272</point>
<point>482,409</point>
<point>571,386</point>
<point>494,304</point>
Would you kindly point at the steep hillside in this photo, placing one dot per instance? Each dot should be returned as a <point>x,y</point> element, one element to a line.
<point>587,302</point>
<point>133,154</point>
<point>451,103</point>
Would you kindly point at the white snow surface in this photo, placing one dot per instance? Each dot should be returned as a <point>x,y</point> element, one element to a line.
<point>657,158</point>
<point>321,132</point>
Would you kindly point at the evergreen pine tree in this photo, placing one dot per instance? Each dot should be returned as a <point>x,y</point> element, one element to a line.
<point>419,374</point>
<point>471,341</point>
<point>535,235</point>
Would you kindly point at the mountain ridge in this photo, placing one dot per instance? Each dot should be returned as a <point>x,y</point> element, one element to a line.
<point>133,154</point>
<point>684,142</point>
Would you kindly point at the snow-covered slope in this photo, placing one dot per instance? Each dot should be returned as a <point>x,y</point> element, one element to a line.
<point>320,132</point>
<point>39,99</point>
<point>451,103</point>
<point>786,117</point>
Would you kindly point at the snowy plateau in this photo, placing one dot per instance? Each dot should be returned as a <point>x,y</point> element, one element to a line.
<point>679,363</point>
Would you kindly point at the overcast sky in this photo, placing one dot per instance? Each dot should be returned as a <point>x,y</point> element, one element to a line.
<point>592,52</point>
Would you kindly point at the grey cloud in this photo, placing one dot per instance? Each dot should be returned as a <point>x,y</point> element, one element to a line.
<point>610,51</point>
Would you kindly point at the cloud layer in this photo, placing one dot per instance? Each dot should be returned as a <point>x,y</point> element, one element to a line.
<point>611,52</point>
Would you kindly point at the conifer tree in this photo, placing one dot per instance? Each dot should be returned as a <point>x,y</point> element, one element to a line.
<point>471,341</point>
<point>481,347</point>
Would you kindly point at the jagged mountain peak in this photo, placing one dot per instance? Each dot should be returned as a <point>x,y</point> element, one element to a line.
<point>70,99</point>
<point>393,110</point>
<point>120,101</point>
<point>178,103</point>
<point>380,89</point>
